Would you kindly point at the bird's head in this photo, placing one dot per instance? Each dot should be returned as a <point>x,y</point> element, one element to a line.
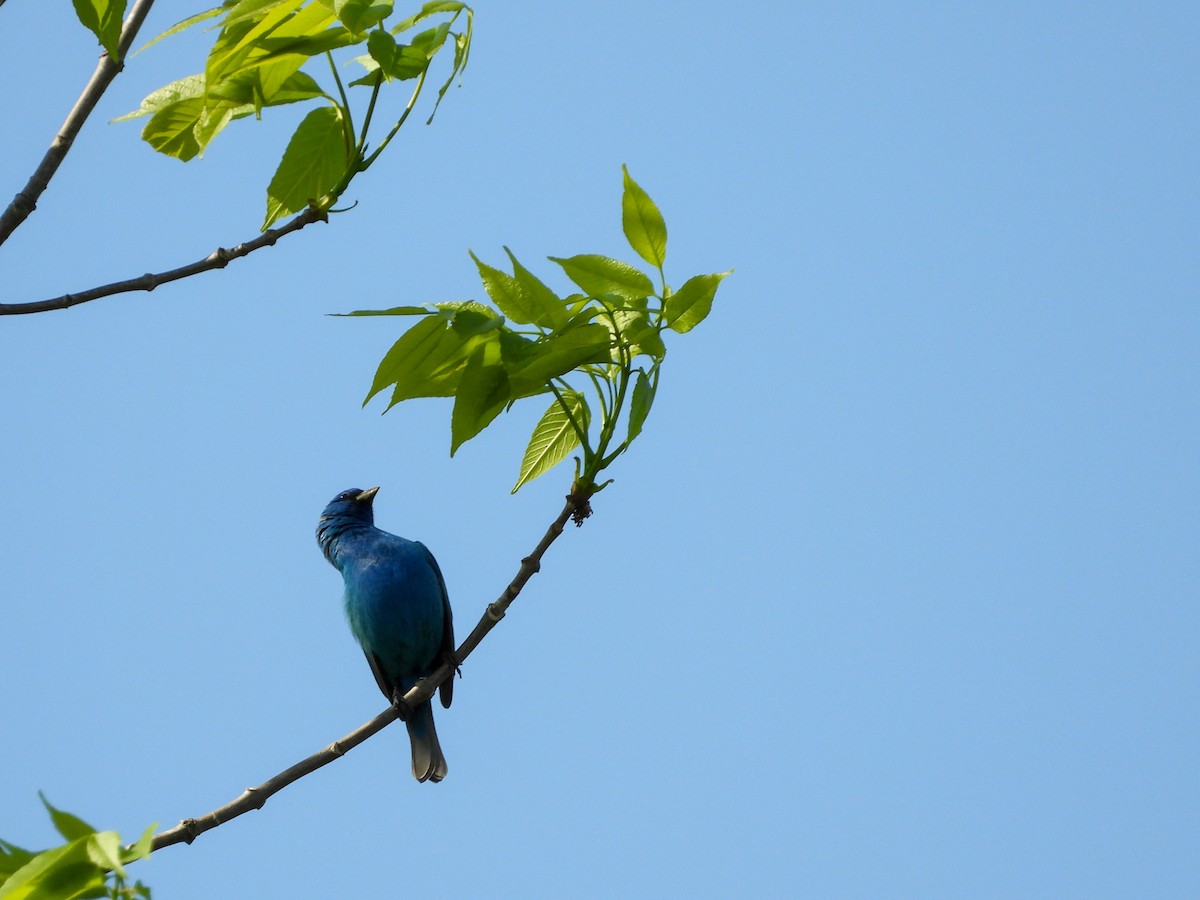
<point>352,504</point>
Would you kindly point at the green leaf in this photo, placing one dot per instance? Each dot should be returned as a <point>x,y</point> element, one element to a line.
<point>247,25</point>
<point>643,223</point>
<point>213,121</point>
<point>313,163</point>
<point>553,437</point>
<point>359,15</point>
<point>182,89</point>
<point>639,404</point>
<point>429,9</point>
<point>427,361</point>
<point>482,393</point>
<point>182,26</point>
<point>402,61</point>
<point>103,19</point>
<point>688,306</point>
<point>68,825</point>
<point>510,296</point>
<point>193,115</point>
<point>383,48</point>
<point>271,84</point>
<point>141,850</point>
<point>543,360</point>
<point>549,310</point>
<point>430,41</point>
<point>639,334</point>
<point>12,858</point>
<point>599,275</point>
<point>470,318</point>
<point>61,873</point>
<point>171,130</point>
<point>394,311</point>
<point>104,849</point>
<point>278,32</point>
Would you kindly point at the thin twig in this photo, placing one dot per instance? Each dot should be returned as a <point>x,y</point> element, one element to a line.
<point>256,797</point>
<point>218,259</point>
<point>106,70</point>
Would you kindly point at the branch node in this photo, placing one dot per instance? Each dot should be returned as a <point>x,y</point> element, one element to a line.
<point>189,829</point>
<point>258,803</point>
<point>534,565</point>
<point>495,613</point>
<point>24,203</point>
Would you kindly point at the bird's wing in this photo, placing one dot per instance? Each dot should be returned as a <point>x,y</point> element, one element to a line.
<point>380,679</point>
<point>446,690</point>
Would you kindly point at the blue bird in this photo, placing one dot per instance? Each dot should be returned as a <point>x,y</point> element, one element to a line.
<point>398,610</point>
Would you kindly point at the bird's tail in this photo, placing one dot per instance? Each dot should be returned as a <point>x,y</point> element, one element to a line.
<point>428,764</point>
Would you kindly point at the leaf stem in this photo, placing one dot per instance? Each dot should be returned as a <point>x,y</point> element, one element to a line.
<point>604,402</point>
<point>580,432</point>
<point>412,101</point>
<point>362,140</point>
<point>348,130</point>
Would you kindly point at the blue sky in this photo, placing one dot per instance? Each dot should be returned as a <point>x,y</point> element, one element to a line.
<point>895,596</point>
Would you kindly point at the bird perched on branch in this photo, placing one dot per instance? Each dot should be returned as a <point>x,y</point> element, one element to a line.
<point>398,610</point>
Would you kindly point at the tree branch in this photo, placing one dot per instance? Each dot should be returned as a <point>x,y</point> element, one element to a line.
<point>218,259</point>
<point>256,797</point>
<point>106,70</point>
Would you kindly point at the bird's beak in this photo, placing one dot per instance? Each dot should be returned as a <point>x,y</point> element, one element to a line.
<point>368,495</point>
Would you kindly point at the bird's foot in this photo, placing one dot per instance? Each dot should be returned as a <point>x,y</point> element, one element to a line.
<point>403,710</point>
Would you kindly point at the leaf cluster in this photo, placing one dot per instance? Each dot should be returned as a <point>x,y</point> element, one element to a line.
<point>90,864</point>
<point>597,350</point>
<point>257,62</point>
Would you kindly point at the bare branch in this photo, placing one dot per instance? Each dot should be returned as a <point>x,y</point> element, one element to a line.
<point>218,259</point>
<point>106,70</point>
<point>256,797</point>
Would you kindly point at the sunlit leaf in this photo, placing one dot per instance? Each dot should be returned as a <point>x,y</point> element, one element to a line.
<point>482,392</point>
<point>359,15</point>
<point>67,824</point>
<point>639,404</point>
<point>104,849</point>
<point>182,26</point>
<point>62,872</point>
<point>554,437</point>
<point>183,89</point>
<point>103,19</point>
<point>394,311</point>
<point>426,361</point>
<point>558,355</point>
<point>313,163</point>
<point>642,222</point>
<point>548,309</point>
<point>171,130</point>
<point>639,334</point>
<point>600,275</point>
<point>688,306</point>
<point>511,297</point>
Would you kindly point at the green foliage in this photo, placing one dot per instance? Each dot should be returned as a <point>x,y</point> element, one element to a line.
<point>606,343</point>
<point>90,864</point>
<point>313,162</point>
<point>103,19</point>
<point>256,63</point>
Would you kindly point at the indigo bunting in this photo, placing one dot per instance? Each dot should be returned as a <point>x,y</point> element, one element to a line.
<point>398,610</point>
